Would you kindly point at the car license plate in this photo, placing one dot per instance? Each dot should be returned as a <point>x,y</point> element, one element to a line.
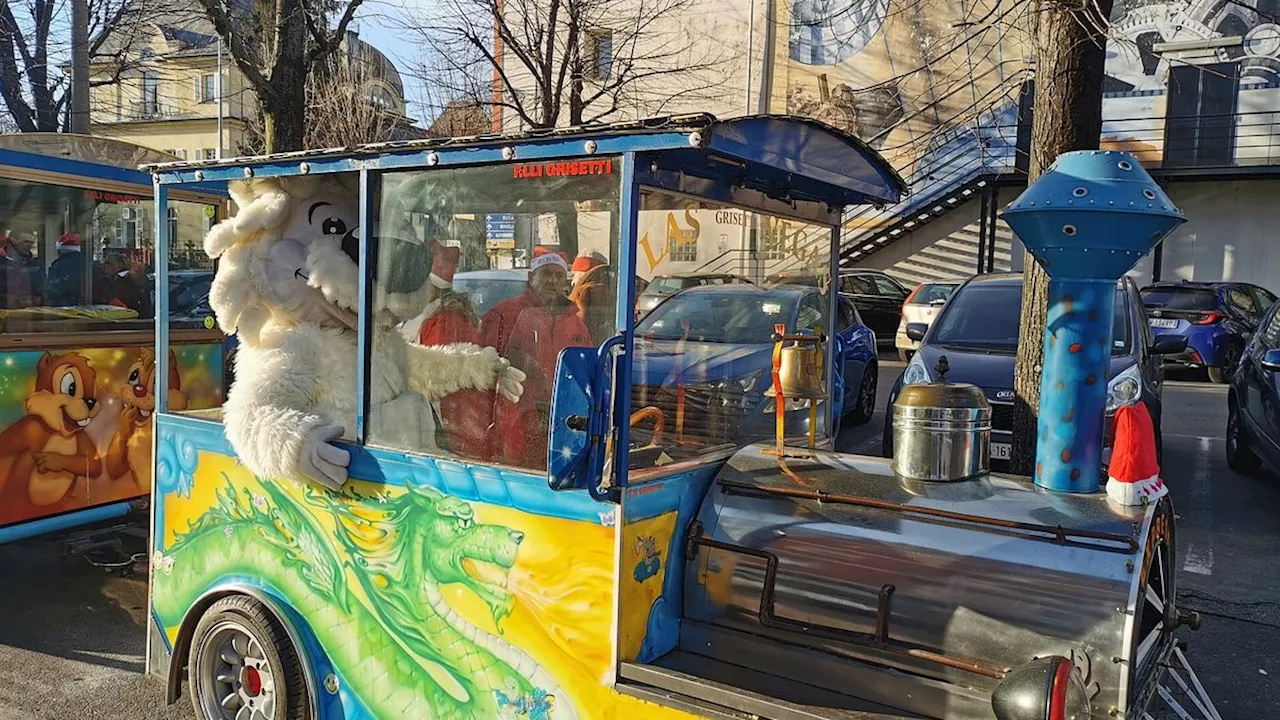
<point>1165,323</point>
<point>1000,451</point>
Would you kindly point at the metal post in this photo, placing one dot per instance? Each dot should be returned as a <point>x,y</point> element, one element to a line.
<point>628,219</point>
<point>993,207</point>
<point>766,63</point>
<point>982,232</point>
<point>751,53</point>
<point>162,294</point>
<point>364,324</point>
<point>80,66</point>
<point>217,84</point>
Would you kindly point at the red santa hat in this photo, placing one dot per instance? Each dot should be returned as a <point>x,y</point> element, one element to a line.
<point>545,256</point>
<point>444,263</point>
<point>68,242</point>
<point>1133,478</point>
<point>588,261</point>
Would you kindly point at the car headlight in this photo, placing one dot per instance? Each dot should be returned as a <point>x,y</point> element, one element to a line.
<point>916,373</point>
<point>1124,389</point>
<point>792,404</point>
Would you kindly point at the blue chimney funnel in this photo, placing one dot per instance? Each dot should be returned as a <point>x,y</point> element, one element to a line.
<point>1087,220</point>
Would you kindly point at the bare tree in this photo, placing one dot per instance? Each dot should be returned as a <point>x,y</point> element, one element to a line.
<point>35,90</point>
<point>1070,43</point>
<point>568,62</point>
<point>276,44</point>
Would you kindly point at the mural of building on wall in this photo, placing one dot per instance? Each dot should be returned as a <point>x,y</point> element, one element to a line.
<point>893,72</point>
<point>909,77</point>
<point>1194,83</point>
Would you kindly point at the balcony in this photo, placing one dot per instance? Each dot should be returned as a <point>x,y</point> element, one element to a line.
<point>1244,142</point>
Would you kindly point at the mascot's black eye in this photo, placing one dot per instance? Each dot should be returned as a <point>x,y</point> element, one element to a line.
<point>333,226</point>
<point>68,385</point>
<point>133,377</point>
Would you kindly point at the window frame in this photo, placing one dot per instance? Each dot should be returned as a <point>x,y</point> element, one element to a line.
<point>598,63</point>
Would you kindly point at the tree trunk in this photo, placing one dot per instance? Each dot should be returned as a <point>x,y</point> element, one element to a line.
<point>284,116</point>
<point>1070,56</point>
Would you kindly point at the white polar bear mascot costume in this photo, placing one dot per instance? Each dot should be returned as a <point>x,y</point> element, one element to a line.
<point>287,284</point>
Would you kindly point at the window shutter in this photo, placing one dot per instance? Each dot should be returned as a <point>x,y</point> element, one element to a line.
<point>195,87</point>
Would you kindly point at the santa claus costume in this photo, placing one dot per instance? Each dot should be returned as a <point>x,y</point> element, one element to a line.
<point>467,415</point>
<point>1134,473</point>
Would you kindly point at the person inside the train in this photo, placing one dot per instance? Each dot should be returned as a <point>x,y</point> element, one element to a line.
<point>530,330</point>
<point>22,275</point>
<point>64,283</point>
<point>593,294</point>
<point>124,284</point>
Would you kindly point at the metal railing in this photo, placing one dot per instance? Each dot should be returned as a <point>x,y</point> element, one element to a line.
<point>1172,144</point>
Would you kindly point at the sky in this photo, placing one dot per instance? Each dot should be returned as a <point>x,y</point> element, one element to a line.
<point>376,27</point>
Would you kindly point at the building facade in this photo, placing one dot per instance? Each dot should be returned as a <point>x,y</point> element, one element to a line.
<point>942,88</point>
<point>169,96</point>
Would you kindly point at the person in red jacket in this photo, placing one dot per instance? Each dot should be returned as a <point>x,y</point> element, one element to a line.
<point>530,330</point>
<point>466,415</point>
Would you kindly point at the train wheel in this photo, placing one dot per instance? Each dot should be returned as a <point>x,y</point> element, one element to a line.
<point>242,665</point>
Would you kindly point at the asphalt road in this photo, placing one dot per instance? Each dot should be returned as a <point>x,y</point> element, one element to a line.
<point>71,637</point>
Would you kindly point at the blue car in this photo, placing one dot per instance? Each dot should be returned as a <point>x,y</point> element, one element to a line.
<point>710,347</point>
<point>977,331</point>
<point>1217,319</point>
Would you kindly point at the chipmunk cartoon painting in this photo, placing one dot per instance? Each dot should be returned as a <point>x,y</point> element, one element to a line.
<point>49,447</point>
<point>130,449</point>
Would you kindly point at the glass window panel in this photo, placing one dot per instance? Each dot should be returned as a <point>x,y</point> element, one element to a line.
<point>518,258</point>
<point>75,259</point>
<point>703,358</point>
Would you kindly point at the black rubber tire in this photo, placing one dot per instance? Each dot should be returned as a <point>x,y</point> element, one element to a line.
<point>1231,357</point>
<point>1239,456</point>
<point>293,702</point>
<point>864,409</point>
<point>905,355</point>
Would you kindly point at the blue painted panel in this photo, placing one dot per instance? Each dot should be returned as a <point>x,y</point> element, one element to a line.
<point>683,495</point>
<point>21,531</point>
<point>179,438</point>
<point>573,400</point>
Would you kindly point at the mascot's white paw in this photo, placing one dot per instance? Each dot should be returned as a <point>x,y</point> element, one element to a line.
<point>322,461</point>
<point>510,380</point>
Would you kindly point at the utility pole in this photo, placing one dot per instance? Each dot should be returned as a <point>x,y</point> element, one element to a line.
<point>79,67</point>
<point>1070,45</point>
<point>217,90</point>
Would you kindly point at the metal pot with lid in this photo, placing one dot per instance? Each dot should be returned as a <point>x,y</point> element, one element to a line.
<point>941,432</point>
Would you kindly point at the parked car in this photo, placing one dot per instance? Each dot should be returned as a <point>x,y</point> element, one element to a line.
<point>189,294</point>
<point>977,331</point>
<point>877,296</point>
<point>664,286</point>
<point>711,346</point>
<point>1253,401</point>
<point>490,287</point>
<point>921,306</point>
<point>1217,319</point>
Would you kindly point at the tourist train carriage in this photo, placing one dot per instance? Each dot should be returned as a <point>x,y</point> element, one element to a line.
<point>639,568</point>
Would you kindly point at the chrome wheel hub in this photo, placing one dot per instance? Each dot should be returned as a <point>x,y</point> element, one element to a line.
<point>236,681</point>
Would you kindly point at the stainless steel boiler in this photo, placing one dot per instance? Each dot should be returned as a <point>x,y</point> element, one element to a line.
<point>926,596</point>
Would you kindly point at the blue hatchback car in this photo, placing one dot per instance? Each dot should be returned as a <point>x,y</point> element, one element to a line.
<point>711,347</point>
<point>1217,319</point>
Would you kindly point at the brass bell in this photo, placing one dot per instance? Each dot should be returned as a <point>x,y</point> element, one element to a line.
<point>799,373</point>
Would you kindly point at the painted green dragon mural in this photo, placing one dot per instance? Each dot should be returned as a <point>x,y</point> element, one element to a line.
<point>375,601</point>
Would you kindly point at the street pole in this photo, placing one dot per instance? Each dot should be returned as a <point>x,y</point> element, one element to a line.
<point>80,67</point>
<point>1070,45</point>
<point>217,90</point>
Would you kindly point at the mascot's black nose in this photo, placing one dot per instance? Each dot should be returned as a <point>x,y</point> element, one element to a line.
<point>90,402</point>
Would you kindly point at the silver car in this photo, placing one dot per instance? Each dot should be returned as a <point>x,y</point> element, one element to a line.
<point>921,306</point>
